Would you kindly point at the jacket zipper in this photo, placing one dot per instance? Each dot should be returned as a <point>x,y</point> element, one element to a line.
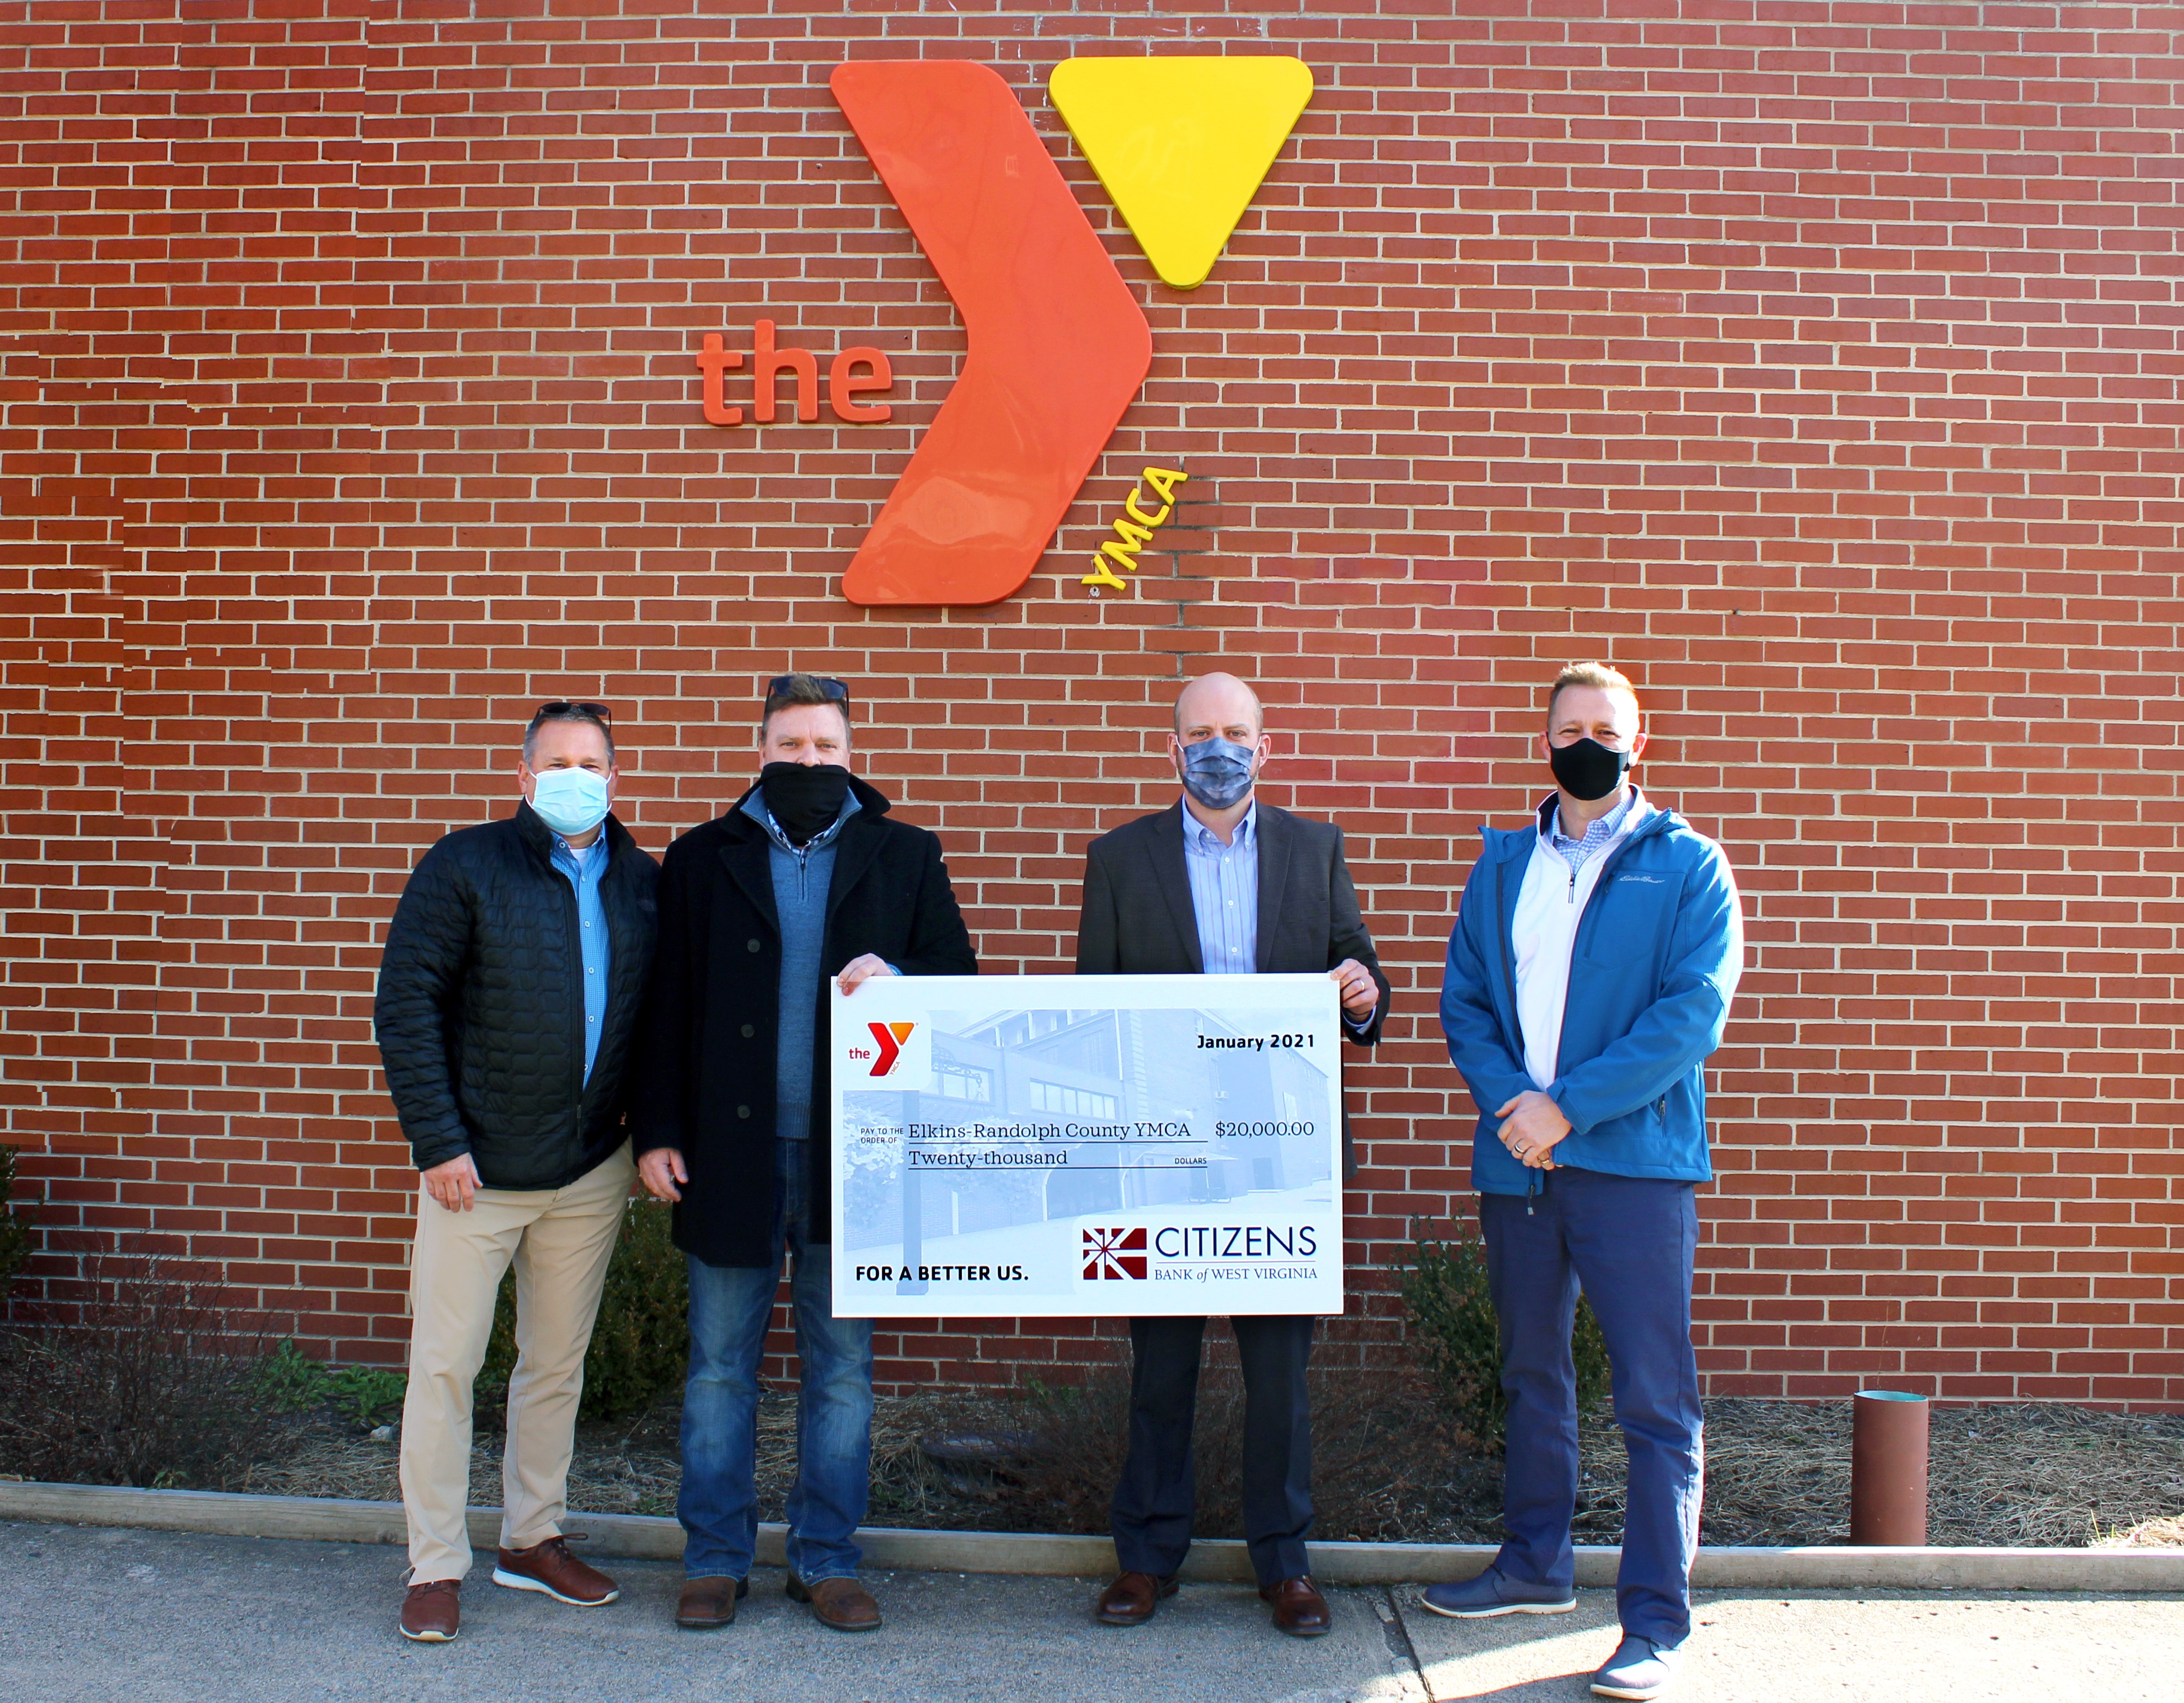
<point>1508,957</point>
<point>574,913</point>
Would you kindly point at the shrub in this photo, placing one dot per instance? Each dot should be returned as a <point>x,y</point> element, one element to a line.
<point>14,1223</point>
<point>151,1380</point>
<point>366,1394</point>
<point>640,1345</point>
<point>1380,1457</point>
<point>1459,1340</point>
<point>289,1380</point>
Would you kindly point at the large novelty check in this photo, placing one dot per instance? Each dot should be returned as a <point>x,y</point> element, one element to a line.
<point>1007,1146</point>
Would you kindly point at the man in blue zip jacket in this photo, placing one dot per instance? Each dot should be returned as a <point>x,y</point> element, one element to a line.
<point>1589,977</point>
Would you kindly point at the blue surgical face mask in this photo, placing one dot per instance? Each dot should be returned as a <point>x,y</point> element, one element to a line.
<point>570,801</point>
<point>1217,773</point>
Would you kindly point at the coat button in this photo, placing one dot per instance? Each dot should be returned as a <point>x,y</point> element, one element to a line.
<point>743,1111</point>
<point>750,946</point>
<point>749,1031</point>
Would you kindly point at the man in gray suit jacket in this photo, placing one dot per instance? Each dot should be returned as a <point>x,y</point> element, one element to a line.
<point>1219,884</point>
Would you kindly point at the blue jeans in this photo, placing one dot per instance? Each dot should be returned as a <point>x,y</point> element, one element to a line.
<point>731,1307</point>
<point>1631,1241</point>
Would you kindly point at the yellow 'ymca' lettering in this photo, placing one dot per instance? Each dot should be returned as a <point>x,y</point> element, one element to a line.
<point>1134,529</point>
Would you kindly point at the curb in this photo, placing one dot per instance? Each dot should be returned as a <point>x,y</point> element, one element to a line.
<point>646,1537</point>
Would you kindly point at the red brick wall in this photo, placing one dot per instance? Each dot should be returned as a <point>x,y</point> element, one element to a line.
<point>1817,362</point>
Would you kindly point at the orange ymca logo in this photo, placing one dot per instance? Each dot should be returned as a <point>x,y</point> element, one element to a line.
<point>1057,345</point>
<point>890,1037</point>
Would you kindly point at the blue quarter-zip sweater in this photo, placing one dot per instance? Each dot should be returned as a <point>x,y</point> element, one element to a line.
<point>803,879</point>
<point>1652,970</point>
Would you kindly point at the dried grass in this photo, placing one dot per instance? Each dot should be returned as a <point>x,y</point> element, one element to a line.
<point>2147,1534</point>
<point>1386,1467</point>
<point>2019,1475</point>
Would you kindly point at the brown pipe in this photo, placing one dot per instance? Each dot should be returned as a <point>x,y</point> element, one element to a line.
<point>1888,1469</point>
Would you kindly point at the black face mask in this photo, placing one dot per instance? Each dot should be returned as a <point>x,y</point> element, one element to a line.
<point>1588,770</point>
<point>805,797</point>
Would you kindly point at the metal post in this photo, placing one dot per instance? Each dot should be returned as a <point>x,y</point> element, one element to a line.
<point>1888,1469</point>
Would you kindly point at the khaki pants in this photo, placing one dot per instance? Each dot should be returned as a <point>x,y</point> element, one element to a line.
<point>560,1240</point>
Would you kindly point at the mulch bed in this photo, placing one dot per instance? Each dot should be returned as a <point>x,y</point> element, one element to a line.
<point>1777,1472</point>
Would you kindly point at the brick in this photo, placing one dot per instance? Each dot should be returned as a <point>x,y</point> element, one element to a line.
<point>349,411</point>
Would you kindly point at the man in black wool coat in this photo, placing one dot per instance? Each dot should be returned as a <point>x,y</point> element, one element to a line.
<point>806,877</point>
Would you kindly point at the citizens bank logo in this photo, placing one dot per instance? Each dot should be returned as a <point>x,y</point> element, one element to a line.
<point>1115,1253</point>
<point>1057,345</point>
<point>889,1039</point>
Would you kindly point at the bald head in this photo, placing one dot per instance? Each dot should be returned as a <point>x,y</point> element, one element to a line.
<point>1219,703</point>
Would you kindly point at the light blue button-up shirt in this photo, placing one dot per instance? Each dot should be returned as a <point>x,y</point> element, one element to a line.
<point>1224,892</point>
<point>585,870</point>
<point>1224,897</point>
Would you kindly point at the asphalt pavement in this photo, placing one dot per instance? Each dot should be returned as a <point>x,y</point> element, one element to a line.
<point>89,1614</point>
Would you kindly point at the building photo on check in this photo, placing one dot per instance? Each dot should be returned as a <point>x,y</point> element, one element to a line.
<point>1321,852</point>
<point>999,1156</point>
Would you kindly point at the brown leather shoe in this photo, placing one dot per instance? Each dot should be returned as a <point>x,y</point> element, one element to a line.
<point>548,1566</point>
<point>843,1605</point>
<point>1131,1599</point>
<point>432,1613</point>
<point>710,1600</point>
<point>1299,1608</point>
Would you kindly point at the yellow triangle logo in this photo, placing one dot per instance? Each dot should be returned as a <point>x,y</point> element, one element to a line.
<point>1181,144</point>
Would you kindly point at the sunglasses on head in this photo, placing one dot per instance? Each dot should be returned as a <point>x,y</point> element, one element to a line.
<point>835,691</point>
<point>567,706</point>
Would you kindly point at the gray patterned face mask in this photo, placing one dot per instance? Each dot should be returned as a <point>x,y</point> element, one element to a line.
<point>1217,773</point>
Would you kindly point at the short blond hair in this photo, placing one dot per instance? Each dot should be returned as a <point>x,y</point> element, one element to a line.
<point>1605,676</point>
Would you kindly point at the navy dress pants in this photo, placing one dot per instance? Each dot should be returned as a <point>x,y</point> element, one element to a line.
<point>1153,1504</point>
<point>1630,1241</point>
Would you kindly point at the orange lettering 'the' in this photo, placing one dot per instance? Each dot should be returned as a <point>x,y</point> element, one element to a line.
<point>767,361</point>
<point>714,362</point>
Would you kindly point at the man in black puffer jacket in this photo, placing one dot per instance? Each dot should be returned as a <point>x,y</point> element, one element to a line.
<point>509,993</point>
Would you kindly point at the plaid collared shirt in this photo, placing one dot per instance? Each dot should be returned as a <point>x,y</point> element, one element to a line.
<point>1598,832</point>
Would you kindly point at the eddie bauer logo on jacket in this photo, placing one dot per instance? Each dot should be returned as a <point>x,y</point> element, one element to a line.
<point>1056,344</point>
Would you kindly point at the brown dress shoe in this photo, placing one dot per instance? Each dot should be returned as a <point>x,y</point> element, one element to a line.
<point>548,1566</point>
<point>1133,1597</point>
<point>431,1612</point>
<point>710,1600</point>
<point>843,1605</point>
<point>1299,1608</point>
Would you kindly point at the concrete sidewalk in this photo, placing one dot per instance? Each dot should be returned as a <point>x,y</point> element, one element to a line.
<point>89,1615</point>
